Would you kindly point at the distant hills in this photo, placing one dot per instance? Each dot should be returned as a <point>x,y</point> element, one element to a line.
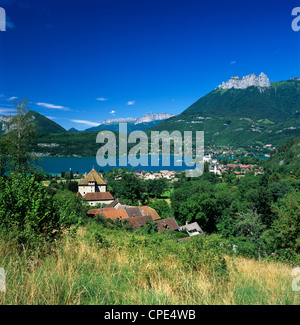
<point>43,124</point>
<point>239,114</point>
<point>133,124</point>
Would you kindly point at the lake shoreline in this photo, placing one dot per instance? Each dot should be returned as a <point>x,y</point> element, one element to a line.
<point>56,165</point>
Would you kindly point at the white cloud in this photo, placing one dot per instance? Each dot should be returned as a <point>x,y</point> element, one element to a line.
<point>47,105</point>
<point>130,102</point>
<point>232,62</point>
<point>89,123</point>
<point>12,98</point>
<point>112,112</point>
<point>4,110</point>
<point>102,99</point>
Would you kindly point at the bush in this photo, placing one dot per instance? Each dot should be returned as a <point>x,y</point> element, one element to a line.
<point>206,253</point>
<point>95,235</point>
<point>28,214</point>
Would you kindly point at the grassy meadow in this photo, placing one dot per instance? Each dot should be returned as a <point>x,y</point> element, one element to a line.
<point>114,267</point>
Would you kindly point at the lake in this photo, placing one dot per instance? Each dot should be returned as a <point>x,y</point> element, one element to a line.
<point>56,165</point>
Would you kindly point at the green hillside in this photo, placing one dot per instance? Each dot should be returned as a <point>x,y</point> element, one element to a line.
<point>278,102</point>
<point>66,144</point>
<point>43,124</point>
<point>241,117</point>
<point>287,158</point>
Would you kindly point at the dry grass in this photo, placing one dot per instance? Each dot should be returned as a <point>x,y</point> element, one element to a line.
<point>79,272</point>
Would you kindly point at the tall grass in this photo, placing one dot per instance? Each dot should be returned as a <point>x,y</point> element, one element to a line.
<point>115,271</point>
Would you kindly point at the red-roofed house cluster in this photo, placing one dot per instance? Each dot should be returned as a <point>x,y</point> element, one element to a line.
<point>137,217</point>
<point>93,188</point>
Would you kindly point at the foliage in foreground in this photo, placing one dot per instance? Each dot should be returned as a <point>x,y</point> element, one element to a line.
<point>104,265</point>
<point>30,214</point>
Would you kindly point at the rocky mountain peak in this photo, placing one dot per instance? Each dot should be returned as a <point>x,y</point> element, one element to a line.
<point>153,117</point>
<point>247,81</point>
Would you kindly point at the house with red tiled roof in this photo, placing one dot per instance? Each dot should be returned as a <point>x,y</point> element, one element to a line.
<point>136,216</point>
<point>166,224</point>
<point>108,213</point>
<point>150,211</point>
<point>138,222</point>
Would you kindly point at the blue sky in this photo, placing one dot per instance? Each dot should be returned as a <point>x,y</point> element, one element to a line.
<point>81,62</point>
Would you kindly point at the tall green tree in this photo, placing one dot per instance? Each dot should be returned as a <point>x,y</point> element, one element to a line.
<point>249,225</point>
<point>286,228</point>
<point>128,189</point>
<point>19,133</point>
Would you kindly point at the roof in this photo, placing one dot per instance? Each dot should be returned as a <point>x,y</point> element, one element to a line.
<point>150,211</point>
<point>133,212</point>
<point>109,213</point>
<point>92,176</point>
<point>98,196</point>
<point>169,223</point>
<point>99,211</point>
<point>123,206</point>
<point>138,222</point>
<point>114,203</point>
<point>191,227</point>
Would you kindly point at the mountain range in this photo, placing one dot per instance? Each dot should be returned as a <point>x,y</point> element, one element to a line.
<point>240,112</point>
<point>133,124</point>
<point>243,111</point>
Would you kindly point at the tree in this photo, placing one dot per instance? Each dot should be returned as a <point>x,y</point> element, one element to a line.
<point>195,201</point>
<point>286,228</point>
<point>19,133</point>
<point>28,213</point>
<point>249,225</point>
<point>162,208</point>
<point>4,160</point>
<point>156,187</point>
<point>206,169</point>
<point>128,188</point>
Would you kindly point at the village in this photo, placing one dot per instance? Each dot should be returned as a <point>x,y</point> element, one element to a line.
<point>93,188</point>
<point>213,164</point>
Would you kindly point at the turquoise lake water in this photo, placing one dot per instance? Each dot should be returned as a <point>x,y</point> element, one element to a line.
<point>56,165</point>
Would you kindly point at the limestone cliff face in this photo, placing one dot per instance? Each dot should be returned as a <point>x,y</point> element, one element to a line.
<point>119,120</point>
<point>143,119</point>
<point>251,80</point>
<point>153,117</point>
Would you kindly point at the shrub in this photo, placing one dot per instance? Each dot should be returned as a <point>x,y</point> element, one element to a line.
<point>28,214</point>
<point>206,253</point>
